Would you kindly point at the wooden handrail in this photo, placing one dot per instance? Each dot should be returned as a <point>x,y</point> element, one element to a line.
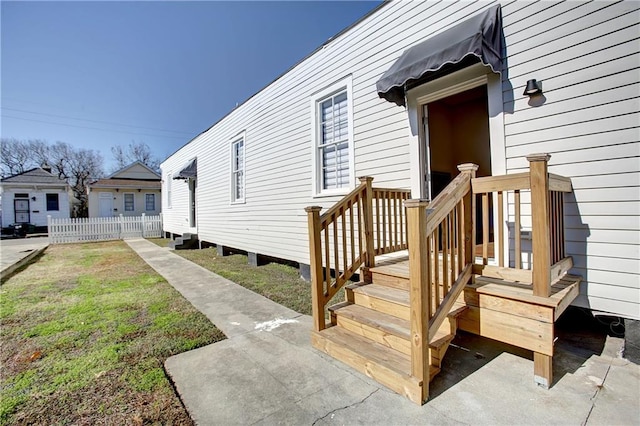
<point>441,206</point>
<point>440,263</point>
<point>512,182</point>
<point>559,183</point>
<point>366,222</point>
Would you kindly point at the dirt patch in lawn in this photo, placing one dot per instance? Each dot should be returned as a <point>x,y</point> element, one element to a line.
<point>85,332</point>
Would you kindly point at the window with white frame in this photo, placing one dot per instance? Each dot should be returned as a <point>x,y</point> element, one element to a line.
<point>128,202</point>
<point>333,148</point>
<point>150,202</point>
<point>237,170</point>
<point>169,180</point>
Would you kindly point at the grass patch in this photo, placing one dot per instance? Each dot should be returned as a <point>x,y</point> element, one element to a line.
<point>280,283</point>
<point>85,332</point>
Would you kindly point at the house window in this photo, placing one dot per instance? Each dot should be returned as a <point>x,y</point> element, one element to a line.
<point>333,148</point>
<point>128,202</point>
<point>150,202</point>
<point>53,202</point>
<point>237,170</point>
<point>169,180</point>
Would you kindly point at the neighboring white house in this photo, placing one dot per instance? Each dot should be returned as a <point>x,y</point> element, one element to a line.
<point>306,137</point>
<point>131,191</point>
<point>31,196</point>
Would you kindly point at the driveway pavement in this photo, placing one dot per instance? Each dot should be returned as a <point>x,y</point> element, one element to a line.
<point>17,252</point>
<point>266,372</point>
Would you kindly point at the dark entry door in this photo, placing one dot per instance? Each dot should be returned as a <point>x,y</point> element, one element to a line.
<point>21,210</point>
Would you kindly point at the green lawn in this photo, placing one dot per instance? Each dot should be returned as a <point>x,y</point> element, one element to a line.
<point>85,332</point>
<point>278,282</point>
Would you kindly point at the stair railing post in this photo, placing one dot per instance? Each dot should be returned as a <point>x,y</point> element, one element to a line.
<point>315,265</point>
<point>469,203</point>
<point>367,208</point>
<point>419,291</point>
<point>539,177</point>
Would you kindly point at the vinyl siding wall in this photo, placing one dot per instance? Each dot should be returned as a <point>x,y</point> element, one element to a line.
<point>139,202</point>
<point>135,171</point>
<point>37,209</point>
<point>585,54</point>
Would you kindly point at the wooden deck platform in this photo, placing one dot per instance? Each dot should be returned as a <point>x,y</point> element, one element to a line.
<point>499,309</point>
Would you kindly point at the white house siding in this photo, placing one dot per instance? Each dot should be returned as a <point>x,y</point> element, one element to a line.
<point>585,54</point>
<point>38,208</point>
<point>175,215</point>
<point>135,171</point>
<point>139,202</point>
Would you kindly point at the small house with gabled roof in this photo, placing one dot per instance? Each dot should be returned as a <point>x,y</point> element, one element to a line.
<point>131,191</point>
<point>31,196</point>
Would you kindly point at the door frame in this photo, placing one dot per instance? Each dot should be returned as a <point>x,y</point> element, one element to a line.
<point>192,210</point>
<point>102,197</point>
<point>15,211</point>
<point>448,85</point>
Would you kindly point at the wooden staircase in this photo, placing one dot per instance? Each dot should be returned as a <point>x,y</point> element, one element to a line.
<point>371,332</point>
<point>396,325</point>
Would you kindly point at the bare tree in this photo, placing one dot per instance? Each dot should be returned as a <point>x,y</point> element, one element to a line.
<point>39,151</point>
<point>136,151</point>
<point>15,156</point>
<point>78,167</point>
<point>21,155</point>
<point>75,165</point>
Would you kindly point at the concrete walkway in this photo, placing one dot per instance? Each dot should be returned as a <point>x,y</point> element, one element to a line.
<point>266,372</point>
<point>17,252</point>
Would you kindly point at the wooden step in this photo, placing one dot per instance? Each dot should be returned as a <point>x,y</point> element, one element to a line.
<point>394,302</point>
<point>377,326</point>
<point>387,366</point>
<point>390,301</point>
<point>391,276</point>
<point>384,329</point>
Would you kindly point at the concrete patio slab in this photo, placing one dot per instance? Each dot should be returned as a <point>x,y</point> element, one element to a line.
<point>267,373</point>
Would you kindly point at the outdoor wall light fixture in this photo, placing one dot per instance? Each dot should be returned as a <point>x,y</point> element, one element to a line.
<point>33,198</point>
<point>533,88</point>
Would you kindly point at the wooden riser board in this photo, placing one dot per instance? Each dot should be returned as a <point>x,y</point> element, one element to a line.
<point>391,371</point>
<point>508,312</point>
<point>518,331</point>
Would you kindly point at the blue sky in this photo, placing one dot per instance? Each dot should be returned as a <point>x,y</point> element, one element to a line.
<point>100,74</point>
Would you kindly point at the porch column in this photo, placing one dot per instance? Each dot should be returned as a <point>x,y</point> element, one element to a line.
<point>315,264</point>
<point>540,224</point>
<point>367,208</point>
<point>539,176</point>
<point>469,203</point>
<point>419,291</point>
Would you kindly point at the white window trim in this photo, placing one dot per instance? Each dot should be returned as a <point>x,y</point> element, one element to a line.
<point>239,137</point>
<point>124,201</point>
<point>169,191</point>
<point>342,85</point>
<point>145,202</point>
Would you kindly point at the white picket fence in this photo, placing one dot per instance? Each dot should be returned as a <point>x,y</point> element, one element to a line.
<point>103,228</point>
